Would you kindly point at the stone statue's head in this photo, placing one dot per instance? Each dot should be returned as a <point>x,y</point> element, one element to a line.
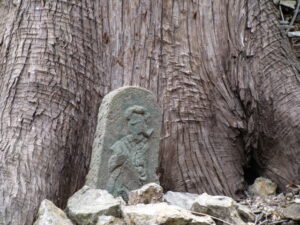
<point>137,117</point>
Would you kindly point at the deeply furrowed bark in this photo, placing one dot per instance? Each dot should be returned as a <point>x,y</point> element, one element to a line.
<point>222,71</point>
<point>50,87</point>
<point>170,48</point>
<point>210,63</point>
<point>276,75</point>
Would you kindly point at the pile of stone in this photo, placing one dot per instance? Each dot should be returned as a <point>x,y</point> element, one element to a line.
<point>146,206</point>
<point>270,208</point>
<point>149,206</point>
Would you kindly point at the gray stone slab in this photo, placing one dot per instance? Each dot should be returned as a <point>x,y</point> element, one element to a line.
<point>126,144</point>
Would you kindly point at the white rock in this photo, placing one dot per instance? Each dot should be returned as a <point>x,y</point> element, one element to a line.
<point>149,193</point>
<point>162,214</point>
<point>293,34</point>
<point>297,200</point>
<point>216,201</point>
<point>109,220</point>
<point>182,199</point>
<point>49,214</point>
<point>87,204</point>
<point>222,207</point>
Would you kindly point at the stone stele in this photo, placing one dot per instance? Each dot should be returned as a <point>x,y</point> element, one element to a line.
<point>126,144</point>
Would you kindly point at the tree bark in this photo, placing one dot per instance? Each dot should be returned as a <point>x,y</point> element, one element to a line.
<point>223,73</point>
<point>51,85</point>
<point>275,71</point>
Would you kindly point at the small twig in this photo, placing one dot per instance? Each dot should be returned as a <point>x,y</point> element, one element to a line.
<point>258,218</point>
<point>281,13</point>
<point>263,222</point>
<point>295,14</point>
<point>278,221</point>
<point>204,214</point>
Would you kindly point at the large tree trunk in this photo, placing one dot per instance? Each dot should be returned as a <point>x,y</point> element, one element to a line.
<point>174,49</point>
<point>223,74</point>
<point>275,71</point>
<point>51,85</point>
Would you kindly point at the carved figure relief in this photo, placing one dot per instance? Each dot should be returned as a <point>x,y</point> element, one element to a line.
<point>128,164</point>
<point>126,143</point>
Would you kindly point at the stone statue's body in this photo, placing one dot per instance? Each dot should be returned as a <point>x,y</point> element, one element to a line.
<point>128,163</point>
<point>126,144</point>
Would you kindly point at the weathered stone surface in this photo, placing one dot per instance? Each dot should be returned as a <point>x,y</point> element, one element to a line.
<point>263,187</point>
<point>182,199</point>
<point>49,214</point>
<point>288,3</point>
<point>186,201</point>
<point>292,212</point>
<point>149,193</point>
<point>87,204</point>
<point>109,220</point>
<point>162,213</point>
<point>222,207</point>
<point>126,144</point>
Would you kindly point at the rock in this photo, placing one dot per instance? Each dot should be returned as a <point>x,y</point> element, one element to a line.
<point>149,193</point>
<point>276,2</point>
<point>293,34</point>
<point>49,214</point>
<point>109,220</point>
<point>87,204</point>
<point>182,199</point>
<point>292,212</point>
<point>222,207</point>
<point>162,214</point>
<point>126,144</point>
<point>288,4</point>
<point>263,187</point>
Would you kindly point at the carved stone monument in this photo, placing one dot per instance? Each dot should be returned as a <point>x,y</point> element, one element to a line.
<point>126,144</point>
